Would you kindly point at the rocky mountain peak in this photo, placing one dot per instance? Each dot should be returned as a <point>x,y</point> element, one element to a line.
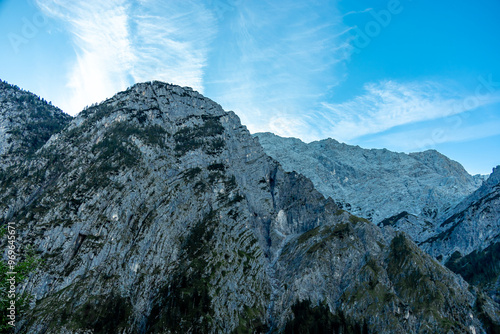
<point>375,183</point>
<point>443,165</point>
<point>158,94</point>
<point>468,241</point>
<point>494,177</point>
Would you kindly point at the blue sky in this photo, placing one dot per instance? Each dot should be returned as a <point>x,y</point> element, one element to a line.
<point>404,75</point>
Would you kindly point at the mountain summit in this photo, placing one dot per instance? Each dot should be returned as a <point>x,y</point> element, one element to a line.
<point>157,212</point>
<point>376,183</point>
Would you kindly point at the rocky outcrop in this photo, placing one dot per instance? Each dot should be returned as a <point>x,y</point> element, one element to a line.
<point>418,228</point>
<point>26,123</point>
<point>157,212</point>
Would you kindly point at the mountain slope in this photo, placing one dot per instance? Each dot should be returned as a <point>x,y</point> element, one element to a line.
<point>376,184</point>
<point>473,224</point>
<point>157,212</point>
<point>26,123</point>
<point>420,190</point>
<point>469,239</point>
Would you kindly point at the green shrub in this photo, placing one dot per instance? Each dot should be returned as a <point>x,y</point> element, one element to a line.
<point>478,267</point>
<point>185,305</point>
<point>191,138</point>
<point>355,219</point>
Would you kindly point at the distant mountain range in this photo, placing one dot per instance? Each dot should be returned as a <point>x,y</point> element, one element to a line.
<point>157,212</point>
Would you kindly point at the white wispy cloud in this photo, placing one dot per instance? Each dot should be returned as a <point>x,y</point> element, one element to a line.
<point>450,130</point>
<point>357,12</point>
<point>120,42</point>
<point>99,32</point>
<point>388,104</point>
<point>171,40</point>
<point>273,62</point>
<point>280,58</point>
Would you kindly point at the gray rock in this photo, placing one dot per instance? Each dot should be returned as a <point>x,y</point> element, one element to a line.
<point>473,224</point>
<point>468,241</point>
<point>375,184</point>
<point>26,123</point>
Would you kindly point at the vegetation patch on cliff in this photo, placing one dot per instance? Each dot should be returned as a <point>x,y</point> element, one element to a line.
<point>185,304</point>
<point>318,319</point>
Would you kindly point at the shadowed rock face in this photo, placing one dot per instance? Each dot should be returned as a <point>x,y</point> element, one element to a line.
<point>157,212</point>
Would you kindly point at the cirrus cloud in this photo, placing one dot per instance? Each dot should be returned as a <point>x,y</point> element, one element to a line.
<point>389,104</point>
<point>120,42</point>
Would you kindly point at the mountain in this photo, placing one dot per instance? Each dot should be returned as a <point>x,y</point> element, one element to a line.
<point>377,184</point>
<point>26,123</point>
<point>450,214</point>
<point>469,239</point>
<point>157,212</point>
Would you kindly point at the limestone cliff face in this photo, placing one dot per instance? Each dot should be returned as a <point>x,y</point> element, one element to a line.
<point>473,224</point>
<point>26,123</point>
<point>469,239</point>
<point>157,212</point>
<point>376,184</point>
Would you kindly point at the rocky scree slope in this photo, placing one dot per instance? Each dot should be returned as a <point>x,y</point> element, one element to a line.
<point>157,212</point>
<point>376,183</point>
<point>26,123</point>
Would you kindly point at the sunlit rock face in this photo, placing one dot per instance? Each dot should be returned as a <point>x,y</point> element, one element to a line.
<point>376,184</point>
